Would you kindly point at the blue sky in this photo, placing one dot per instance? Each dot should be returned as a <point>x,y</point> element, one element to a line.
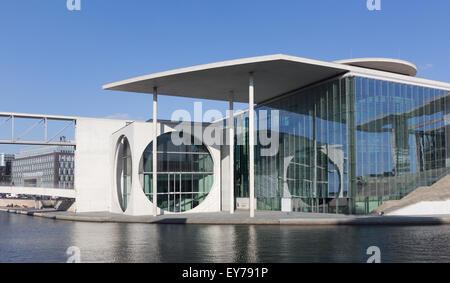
<point>55,61</point>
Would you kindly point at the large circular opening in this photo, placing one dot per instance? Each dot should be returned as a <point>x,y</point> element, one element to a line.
<point>300,175</point>
<point>185,173</point>
<point>123,172</point>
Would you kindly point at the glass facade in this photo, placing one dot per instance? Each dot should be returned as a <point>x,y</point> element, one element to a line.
<point>400,140</point>
<point>348,145</point>
<point>241,153</point>
<point>185,174</point>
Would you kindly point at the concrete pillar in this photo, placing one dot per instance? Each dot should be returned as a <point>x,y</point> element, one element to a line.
<point>231,142</point>
<point>155,148</point>
<point>251,143</point>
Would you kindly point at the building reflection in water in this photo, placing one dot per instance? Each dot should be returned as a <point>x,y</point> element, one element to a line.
<point>242,243</point>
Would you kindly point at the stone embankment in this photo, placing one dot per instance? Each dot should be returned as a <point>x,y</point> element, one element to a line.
<point>238,218</point>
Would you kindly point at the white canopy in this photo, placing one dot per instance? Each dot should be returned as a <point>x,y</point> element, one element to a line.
<point>274,75</point>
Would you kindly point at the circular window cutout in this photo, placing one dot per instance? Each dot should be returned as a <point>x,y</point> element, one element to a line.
<point>185,173</point>
<point>123,172</point>
<point>300,175</point>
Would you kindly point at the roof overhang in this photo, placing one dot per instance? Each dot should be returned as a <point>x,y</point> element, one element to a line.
<point>274,75</point>
<point>395,66</point>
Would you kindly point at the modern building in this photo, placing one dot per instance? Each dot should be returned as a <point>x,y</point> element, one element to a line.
<point>45,166</point>
<point>326,137</point>
<point>5,168</point>
<point>352,134</point>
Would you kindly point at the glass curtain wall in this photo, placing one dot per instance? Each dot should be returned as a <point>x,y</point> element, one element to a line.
<point>348,145</point>
<point>241,153</point>
<point>400,140</point>
<point>310,168</point>
<point>185,174</point>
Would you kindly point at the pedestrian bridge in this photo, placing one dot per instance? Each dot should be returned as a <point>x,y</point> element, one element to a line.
<point>34,191</point>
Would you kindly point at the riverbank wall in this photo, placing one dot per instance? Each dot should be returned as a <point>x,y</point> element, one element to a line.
<point>24,203</point>
<point>238,218</point>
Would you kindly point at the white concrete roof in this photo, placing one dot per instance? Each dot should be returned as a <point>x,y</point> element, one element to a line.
<point>383,64</point>
<point>274,75</point>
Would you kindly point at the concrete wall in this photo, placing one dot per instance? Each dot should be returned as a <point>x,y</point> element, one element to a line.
<point>425,208</point>
<point>95,167</point>
<point>36,191</point>
<point>93,161</point>
<point>30,203</point>
<point>140,135</point>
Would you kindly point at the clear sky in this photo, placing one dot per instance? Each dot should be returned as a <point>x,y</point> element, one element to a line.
<point>54,61</point>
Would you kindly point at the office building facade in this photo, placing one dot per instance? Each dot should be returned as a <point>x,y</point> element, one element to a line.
<point>47,166</point>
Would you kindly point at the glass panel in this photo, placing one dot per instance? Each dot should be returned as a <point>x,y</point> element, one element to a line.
<point>347,146</point>
<point>402,150</point>
<point>176,183</point>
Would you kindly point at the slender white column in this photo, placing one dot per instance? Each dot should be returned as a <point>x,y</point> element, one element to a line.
<point>231,142</point>
<point>155,147</point>
<point>251,144</point>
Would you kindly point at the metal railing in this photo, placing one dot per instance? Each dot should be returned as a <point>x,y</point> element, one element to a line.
<point>18,138</point>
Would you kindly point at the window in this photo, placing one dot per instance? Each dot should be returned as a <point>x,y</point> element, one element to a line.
<point>185,174</point>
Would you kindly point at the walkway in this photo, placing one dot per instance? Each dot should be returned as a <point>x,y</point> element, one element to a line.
<point>239,218</point>
<point>36,191</point>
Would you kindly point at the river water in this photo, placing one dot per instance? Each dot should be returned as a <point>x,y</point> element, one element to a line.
<point>34,239</point>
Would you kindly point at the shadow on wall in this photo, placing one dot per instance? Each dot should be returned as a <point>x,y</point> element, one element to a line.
<point>172,221</point>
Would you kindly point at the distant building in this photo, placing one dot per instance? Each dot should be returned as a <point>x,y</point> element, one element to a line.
<point>48,166</point>
<point>5,168</point>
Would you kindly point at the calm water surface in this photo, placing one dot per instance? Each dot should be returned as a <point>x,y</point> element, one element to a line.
<point>33,239</point>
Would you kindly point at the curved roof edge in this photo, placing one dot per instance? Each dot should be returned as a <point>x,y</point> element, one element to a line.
<point>390,65</point>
